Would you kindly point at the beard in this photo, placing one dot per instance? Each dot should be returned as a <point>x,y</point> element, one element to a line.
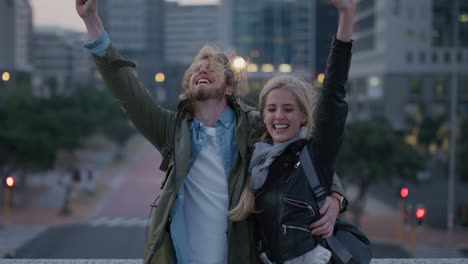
<point>203,94</point>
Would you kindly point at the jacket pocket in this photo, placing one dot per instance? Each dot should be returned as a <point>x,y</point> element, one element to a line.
<point>286,228</point>
<point>300,204</point>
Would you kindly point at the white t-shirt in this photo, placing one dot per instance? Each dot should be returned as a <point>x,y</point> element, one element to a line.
<point>206,216</point>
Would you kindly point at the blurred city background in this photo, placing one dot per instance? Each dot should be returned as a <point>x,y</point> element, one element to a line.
<point>77,180</point>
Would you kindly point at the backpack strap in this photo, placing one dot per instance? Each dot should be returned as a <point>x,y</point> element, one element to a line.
<point>339,253</point>
<point>312,178</point>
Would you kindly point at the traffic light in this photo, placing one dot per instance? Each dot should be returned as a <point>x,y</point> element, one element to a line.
<point>404,192</point>
<point>420,214</point>
<point>10,181</point>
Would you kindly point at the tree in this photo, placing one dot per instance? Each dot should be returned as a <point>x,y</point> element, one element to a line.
<point>430,132</point>
<point>33,130</point>
<point>372,152</point>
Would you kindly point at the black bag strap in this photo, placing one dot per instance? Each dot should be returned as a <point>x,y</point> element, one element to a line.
<point>312,178</point>
<point>339,253</point>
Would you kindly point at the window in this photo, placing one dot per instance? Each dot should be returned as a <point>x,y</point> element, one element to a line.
<point>442,23</point>
<point>415,85</point>
<point>422,57</point>
<point>447,57</point>
<point>440,87</point>
<point>422,36</point>
<point>460,58</point>
<point>409,58</point>
<point>361,86</point>
<point>365,44</point>
<point>365,4</point>
<point>409,34</point>
<point>410,13</point>
<point>396,7</point>
<point>366,23</point>
<point>463,86</point>
<point>435,57</point>
<point>423,13</point>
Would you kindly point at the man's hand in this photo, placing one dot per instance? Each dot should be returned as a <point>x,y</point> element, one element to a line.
<point>329,211</point>
<point>86,8</point>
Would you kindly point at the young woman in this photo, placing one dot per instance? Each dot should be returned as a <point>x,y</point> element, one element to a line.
<point>296,116</point>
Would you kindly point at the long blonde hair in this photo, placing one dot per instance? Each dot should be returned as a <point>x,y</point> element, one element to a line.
<point>307,98</point>
<point>221,64</point>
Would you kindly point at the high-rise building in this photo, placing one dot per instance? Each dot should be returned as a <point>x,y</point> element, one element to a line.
<point>406,55</point>
<point>16,28</point>
<point>297,33</point>
<point>188,28</point>
<point>59,61</point>
<point>136,28</point>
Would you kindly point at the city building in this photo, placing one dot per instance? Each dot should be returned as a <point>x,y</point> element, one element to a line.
<point>280,35</point>
<point>15,47</point>
<point>408,56</point>
<point>189,28</point>
<point>136,29</point>
<point>59,61</point>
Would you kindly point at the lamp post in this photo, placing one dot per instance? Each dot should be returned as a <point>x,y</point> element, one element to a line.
<point>453,128</point>
<point>159,78</point>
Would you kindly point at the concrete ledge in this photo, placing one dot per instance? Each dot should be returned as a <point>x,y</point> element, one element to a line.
<point>139,261</point>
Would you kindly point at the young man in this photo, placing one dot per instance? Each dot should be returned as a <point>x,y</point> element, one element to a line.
<point>209,137</point>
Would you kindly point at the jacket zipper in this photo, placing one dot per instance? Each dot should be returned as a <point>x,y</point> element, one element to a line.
<point>294,172</point>
<point>300,204</point>
<point>286,227</point>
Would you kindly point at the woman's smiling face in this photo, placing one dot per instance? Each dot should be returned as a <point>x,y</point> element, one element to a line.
<point>282,115</point>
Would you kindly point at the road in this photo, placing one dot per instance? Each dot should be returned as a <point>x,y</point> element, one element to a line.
<point>116,227</point>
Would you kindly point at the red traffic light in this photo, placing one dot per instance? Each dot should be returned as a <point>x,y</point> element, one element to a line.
<point>420,213</point>
<point>404,192</point>
<point>10,181</point>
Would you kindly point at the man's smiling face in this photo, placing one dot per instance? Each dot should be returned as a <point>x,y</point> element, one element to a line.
<point>206,83</point>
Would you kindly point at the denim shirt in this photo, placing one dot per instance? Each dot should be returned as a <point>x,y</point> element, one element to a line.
<point>225,127</point>
<point>228,146</point>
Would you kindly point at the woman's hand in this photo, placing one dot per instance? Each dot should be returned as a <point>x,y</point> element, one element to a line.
<point>346,10</point>
<point>329,211</point>
<point>344,5</point>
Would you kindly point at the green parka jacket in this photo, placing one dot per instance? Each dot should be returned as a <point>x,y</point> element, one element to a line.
<point>163,127</point>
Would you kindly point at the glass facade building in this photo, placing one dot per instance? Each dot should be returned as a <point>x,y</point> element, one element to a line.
<point>294,32</point>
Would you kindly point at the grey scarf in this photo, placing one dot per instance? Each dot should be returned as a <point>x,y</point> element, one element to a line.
<point>264,155</point>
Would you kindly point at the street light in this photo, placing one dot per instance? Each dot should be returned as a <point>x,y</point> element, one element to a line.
<point>10,181</point>
<point>159,77</point>
<point>238,63</point>
<point>404,192</point>
<point>320,77</point>
<point>252,67</point>
<point>420,214</point>
<point>268,68</point>
<point>285,68</point>
<point>6,76</point>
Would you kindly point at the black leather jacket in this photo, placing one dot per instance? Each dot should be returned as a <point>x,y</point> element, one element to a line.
<point>286,204</point>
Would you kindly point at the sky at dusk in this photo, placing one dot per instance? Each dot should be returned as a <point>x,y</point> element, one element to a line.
<point>62,12</point>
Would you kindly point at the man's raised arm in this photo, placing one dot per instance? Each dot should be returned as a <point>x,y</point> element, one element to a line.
<point>87,10</point>
<point>154,122</point>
